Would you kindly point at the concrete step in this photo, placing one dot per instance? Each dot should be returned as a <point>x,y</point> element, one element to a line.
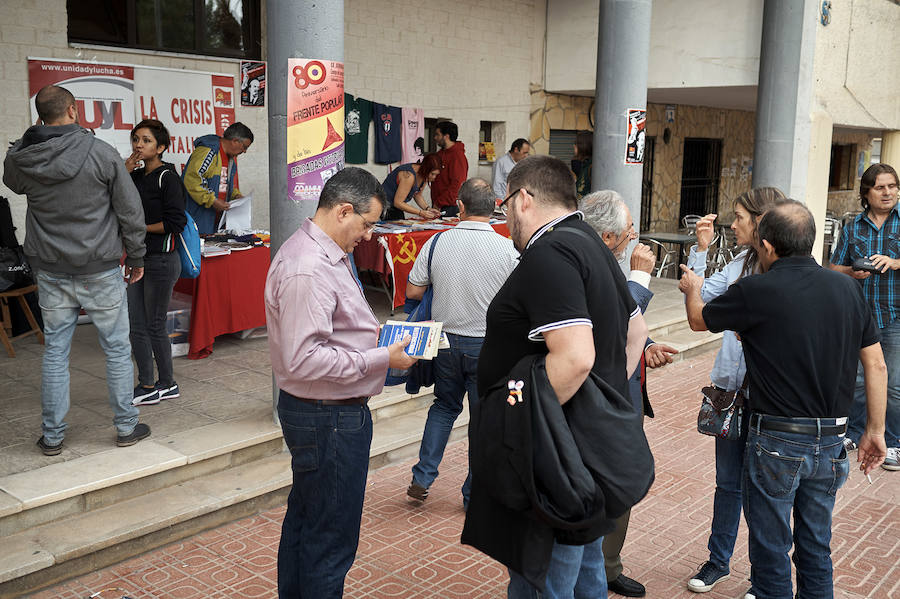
<point>689,343</point>
<point>74,517</point>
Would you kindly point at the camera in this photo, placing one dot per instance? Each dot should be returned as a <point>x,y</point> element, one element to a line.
<point>864,264</point>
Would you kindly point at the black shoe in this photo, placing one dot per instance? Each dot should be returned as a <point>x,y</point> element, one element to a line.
<point>626,586</point>
<point>49,449</point>
<point>417,491</point>
<point>708,576</point>
<point>141,431</point>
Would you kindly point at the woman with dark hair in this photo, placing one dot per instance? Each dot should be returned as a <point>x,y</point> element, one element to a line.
<point>728,374</point>
<point>406,182</point>
<point>584,150</point>
<point>875,234</point>
<point>162,194</point>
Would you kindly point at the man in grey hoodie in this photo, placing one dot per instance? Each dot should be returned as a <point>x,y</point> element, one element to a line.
<point>82,207</point>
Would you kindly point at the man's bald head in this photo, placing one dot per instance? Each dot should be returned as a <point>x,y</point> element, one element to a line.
<point>789,227</point>
<point>53,103</point>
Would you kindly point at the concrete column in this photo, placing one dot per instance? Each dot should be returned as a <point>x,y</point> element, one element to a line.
<point>623,50</point>
<point>293,30</point>
<point>817,175</point>
<point>784,96</point>
<point>890,148</point>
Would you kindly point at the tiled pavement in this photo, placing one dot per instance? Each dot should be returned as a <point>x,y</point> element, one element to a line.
<point>412,551</point>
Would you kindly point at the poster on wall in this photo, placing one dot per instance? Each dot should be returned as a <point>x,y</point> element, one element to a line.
<point>104,94</point>
<point>189,103</point>
<point>253,83</point>
<point>634,144</point>
<point>315,125</point>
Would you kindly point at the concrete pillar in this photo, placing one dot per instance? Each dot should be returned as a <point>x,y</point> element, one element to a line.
<point>293,30</point>
<point>890,148</point>
<point>623,50</point>
<point>817,175</point>
<point>784,96</point>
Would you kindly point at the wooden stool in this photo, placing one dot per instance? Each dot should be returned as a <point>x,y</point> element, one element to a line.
<point>6,322</point>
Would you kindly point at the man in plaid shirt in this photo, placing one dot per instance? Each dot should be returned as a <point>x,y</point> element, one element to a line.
<point>875,234</point>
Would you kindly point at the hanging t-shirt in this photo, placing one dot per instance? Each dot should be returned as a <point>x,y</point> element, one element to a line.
<point>357,116</point>
<point>388,133</point>
<point>413,135</point>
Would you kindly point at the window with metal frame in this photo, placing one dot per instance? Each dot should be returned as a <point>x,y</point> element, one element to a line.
<point>700,176</point>
<point>210,27</point>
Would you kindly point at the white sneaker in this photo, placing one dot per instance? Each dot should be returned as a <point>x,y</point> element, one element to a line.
<point>892,459</point>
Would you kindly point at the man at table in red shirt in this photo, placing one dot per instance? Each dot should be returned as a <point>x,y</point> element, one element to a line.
<point>322,341</point>
<point>445,188</point>
<point>211,175</point>
<point>470,263</point>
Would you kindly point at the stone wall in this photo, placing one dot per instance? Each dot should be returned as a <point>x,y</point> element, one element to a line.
<point>734,127</point>
<point>847,200</point>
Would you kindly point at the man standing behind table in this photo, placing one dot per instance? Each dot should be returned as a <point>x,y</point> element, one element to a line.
<point>445,188</point>
<point>874,234</point>
<point>567,299</point>
<point>470,263</point>
<point>803,328</point>
<point>610,217</point>
<point>322,341</point>
<point>519,150</point>
<point>82,208</point>
<point>211,175</point>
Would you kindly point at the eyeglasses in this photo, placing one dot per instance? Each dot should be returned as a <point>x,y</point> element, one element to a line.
<point>244,145</point>
<point>504,208</point>
<point>369,226</point>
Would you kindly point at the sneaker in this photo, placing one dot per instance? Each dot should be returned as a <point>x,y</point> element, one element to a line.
<point>144,396</point>
<point>49,449</point>
<point>892,460</point>
<point>141,431</point>
<point>417,491</point>
<point>850,444</point>
<point>708,576</point>
<point>168,392</point>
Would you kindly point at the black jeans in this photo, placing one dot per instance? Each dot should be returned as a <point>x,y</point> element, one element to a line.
<point>148,303</point>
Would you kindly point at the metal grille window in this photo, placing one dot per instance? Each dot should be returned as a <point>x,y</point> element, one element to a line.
<point>647,182</point>
<point>562,142</point>
<point>211,27</point>
<point>700,176</point>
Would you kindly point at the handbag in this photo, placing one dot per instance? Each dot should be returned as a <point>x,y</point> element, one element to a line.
<point>721,412</point>
<point>14,268</point>
<point>188,244</point>
<point>420,374</point>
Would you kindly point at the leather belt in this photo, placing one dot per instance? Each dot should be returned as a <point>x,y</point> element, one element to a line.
<point>826,430</point>
<point>353,401</point>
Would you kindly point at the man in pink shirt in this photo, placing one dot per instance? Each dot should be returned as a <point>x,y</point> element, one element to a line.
<point>322,341</point>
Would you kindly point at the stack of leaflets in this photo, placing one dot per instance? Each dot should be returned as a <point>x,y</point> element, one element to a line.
<point>426,337</point>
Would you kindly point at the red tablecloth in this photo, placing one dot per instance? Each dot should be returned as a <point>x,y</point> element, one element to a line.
<point>392,255</point>
<point>227,297</point>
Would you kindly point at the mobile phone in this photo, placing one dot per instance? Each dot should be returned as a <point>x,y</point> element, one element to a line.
<point>864,264</point>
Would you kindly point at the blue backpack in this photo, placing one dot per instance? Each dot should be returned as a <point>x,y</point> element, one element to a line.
<point>188,243</point>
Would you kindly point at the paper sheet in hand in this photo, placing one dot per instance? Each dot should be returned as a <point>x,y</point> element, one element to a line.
<point>237,217</point>
<point>425,336</point>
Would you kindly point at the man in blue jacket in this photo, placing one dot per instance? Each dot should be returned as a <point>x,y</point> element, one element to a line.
<point>610,217</point>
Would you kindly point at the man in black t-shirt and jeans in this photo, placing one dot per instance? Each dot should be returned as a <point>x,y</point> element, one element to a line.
<point>567,299</point>
<point>803,329</point>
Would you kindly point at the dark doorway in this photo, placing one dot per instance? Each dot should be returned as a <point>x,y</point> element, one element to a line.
<point>700,176</point>
<point>647,183</point>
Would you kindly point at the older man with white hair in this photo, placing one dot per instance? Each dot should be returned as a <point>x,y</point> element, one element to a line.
<point>610,217</point>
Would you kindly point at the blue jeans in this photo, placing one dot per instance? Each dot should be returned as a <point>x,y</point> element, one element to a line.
<point>727,499</point>
<point>890,345</point>
<point>785,474</point>
<point>455,371</point>
<point>148,304</point>
<point>102,295</point>
<point>329,448</point>
<point>576,572</point>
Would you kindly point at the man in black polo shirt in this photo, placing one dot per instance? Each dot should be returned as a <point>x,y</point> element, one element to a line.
<point>803,329</point>
<point>567,299</point>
